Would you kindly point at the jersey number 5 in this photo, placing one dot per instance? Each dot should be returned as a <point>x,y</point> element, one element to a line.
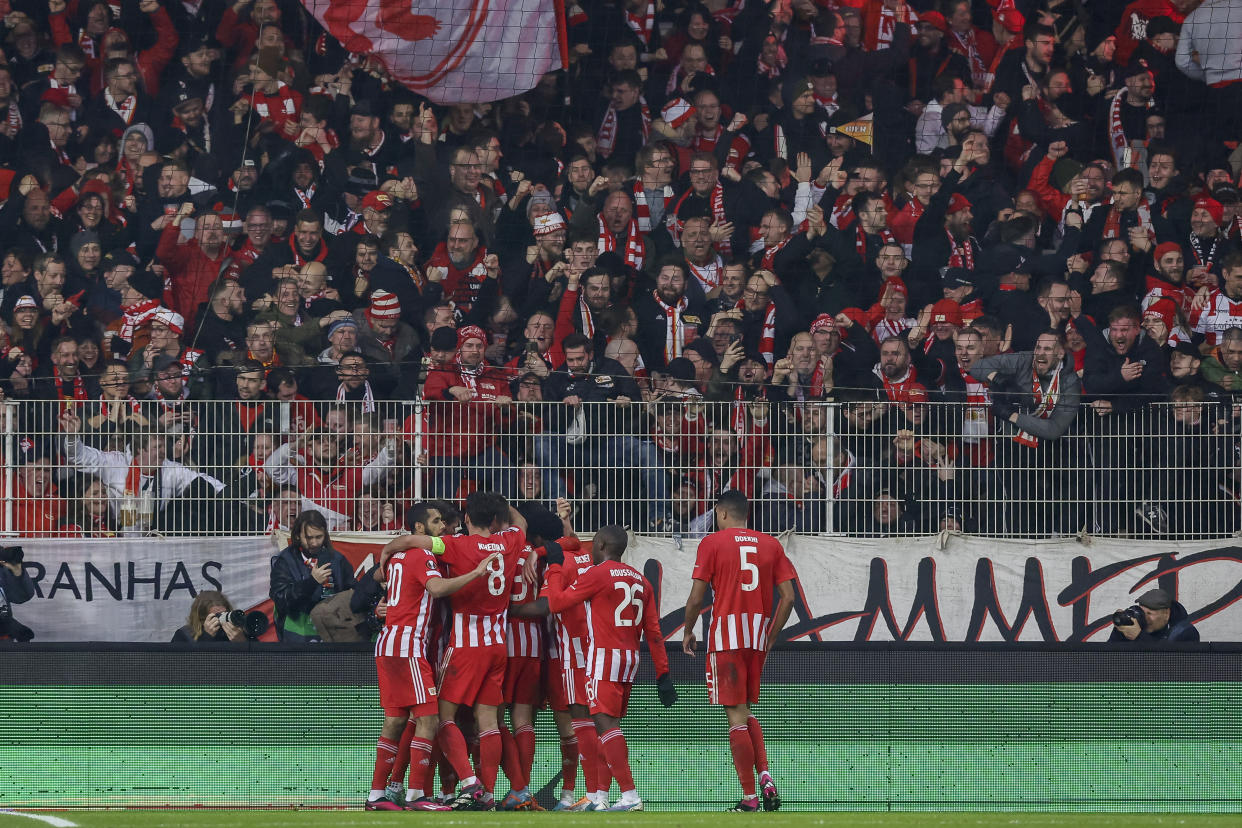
<point>631,594</point>
<point>750,571</point>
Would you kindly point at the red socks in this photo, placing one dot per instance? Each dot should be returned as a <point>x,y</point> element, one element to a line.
<point>524,736</point>
<point>511,761</point>
<point>618,756</point>
<point>589,753</point>
<point>569,762</point>
<point>420,764</point>
<point>402,762</point>
<point>385,753</point>
<point>743,757</point>
<point>489,758</point>
<point>756,741</point>
<point>454,746</point>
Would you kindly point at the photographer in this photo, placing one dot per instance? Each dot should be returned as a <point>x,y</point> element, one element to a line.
<point>306,572</point>
<point>1155,617</point>
<point>208,621</point>
<point>15,588</point>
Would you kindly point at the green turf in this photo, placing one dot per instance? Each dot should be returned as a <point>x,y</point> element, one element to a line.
<point>875,748</point>
<point>343,819</point>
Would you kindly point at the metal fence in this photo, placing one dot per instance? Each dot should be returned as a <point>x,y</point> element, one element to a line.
<point>131,468</point>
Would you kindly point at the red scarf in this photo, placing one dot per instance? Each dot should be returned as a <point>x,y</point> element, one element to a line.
<point>79,387</point>
<point>770,70</point>
<point>124,109</point>
<point>675,333</point>
<point>960,255</point>
<point>1045,404</point>
<point>461,285</point>
<point>1116,132</point>
<point>767,338</point>
<point>633,242</point>
<point>299,259</point>
<point>134,405</point>
<point>969,47</point>
<point>769,253</point>
<point>305,196</point>
<point>643,24</point>
<point>707,275</point>
<point>879,25</point>
<point>860,240</point>
<point>1112,222</point>
<point>642,210</point>
<point>606,138</point>
<point>896,389</point>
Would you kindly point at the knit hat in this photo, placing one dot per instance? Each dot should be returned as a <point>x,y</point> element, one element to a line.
<point>895,284</point>
<point>471,332</point>
<point>946,310</point>
<point>824,322</point>
<point>548,223</point>
<point>174,321</point>
<point>81,239</point>
<point>1163,309</point>
<point>384,305</point>
<point>952,111</point>
<point>957,203</point>
<point>443,339</point>
<point>1214,208</point>
<point>677,112</point>
<point>1163,249</point>
<point>793,88</point>
<point>25,303</point>
<point>147,283</point>
<point>347,322</point>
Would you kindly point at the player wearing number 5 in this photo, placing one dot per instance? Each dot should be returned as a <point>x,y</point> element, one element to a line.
<point>621,608</point>
<point>742,566</point>
<point>472,669</point>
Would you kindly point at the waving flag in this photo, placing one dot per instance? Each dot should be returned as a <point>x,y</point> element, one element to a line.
<point>453,51</point>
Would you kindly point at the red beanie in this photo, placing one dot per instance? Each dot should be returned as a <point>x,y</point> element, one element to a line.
<point>1215,209</point>
<point>1163,249</point>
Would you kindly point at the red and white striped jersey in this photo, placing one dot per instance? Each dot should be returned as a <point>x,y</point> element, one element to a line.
<point>620,607</point>
<point>525,635</point>
<point>410,605</point>
<point>743,567</point>
<point>572,636</point>
<point>1220,314</point>
<point>480,608</point>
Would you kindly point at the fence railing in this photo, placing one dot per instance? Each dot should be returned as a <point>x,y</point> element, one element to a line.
<point>866,468</point>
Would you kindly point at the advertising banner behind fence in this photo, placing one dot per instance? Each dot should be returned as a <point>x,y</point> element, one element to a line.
<point>852,589</point>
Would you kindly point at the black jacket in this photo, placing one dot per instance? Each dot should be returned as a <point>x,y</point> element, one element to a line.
<point>294,591</point>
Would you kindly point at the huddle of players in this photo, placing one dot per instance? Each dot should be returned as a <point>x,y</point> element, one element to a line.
<point>530,616</point>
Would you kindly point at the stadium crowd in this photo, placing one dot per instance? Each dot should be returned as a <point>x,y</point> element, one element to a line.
<point>638,277</point>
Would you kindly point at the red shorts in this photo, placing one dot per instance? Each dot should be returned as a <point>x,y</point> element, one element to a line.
<point>733,676</point>
<point>524,680</point>
<point>554,685</point>
<point>574,683</point>
<point>406,685</point>
<point>473,675</point>
<point>608,697</point>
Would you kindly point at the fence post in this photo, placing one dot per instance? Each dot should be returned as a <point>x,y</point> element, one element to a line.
<point>418,450</point>
<point>10,463</point>
<point>830,504</point>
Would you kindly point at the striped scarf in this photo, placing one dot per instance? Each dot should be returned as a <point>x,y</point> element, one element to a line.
<point>633,243</point>
<point>642,210</point>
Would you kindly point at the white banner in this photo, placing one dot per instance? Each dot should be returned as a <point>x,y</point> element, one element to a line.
<point>452,51</point>
<point>977,589</point>
<point>109,589</point>
<point>851,589</point>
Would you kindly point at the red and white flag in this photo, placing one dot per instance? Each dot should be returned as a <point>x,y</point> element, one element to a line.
<point>453,51</point>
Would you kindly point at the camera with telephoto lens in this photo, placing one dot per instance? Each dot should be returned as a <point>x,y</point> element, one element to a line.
<point>253,623</point>
<point>1123,618</point>
<point>12,555</point>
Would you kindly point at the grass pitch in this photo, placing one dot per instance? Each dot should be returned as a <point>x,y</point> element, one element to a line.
<point>208,818</point>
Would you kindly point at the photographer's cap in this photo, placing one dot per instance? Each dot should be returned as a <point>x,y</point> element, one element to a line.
<point>1156,599</point>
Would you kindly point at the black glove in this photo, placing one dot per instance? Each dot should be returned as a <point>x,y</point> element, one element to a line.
<point>553,555</point>
<point>668,693</point>
<point>1002,408</point>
